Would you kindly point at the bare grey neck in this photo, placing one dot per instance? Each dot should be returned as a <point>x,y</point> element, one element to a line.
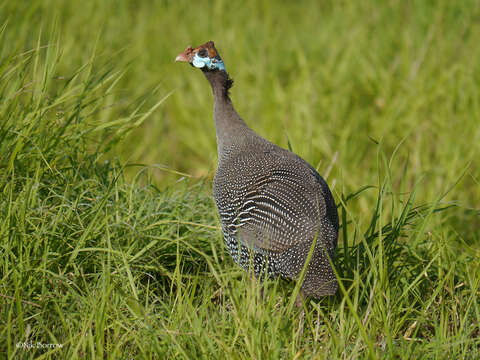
<point>230,128</point>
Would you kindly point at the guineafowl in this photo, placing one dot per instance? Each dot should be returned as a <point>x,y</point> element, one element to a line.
<point>274,207</point>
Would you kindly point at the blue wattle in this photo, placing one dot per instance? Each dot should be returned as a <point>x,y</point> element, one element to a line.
<point>211,64</point>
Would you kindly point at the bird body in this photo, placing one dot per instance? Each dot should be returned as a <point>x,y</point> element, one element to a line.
<point>273,206</point>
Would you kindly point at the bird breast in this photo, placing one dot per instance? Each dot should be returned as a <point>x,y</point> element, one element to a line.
<point>269,200</point>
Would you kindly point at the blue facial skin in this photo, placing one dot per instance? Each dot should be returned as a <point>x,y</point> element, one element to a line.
<point>212,64</point>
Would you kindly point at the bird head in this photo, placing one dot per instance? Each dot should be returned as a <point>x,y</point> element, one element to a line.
<point>204,57</point>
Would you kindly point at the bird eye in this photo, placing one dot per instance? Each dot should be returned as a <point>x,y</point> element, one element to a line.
<point>203,53</point>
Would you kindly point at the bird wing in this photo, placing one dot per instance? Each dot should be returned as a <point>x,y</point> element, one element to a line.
<point>279,207</point>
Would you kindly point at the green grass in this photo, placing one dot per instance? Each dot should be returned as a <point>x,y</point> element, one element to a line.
<point>109,240</point>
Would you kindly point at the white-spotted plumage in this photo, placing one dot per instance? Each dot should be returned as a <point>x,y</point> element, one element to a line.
<point>273,206</point>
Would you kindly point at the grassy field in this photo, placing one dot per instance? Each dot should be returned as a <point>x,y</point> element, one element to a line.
<point>110,245</point>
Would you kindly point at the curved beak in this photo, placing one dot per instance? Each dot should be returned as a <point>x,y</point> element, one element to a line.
<point>181,57</point>
<point>186,56</point>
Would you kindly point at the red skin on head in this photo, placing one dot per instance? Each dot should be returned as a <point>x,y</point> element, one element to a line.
<point>189,53</point>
